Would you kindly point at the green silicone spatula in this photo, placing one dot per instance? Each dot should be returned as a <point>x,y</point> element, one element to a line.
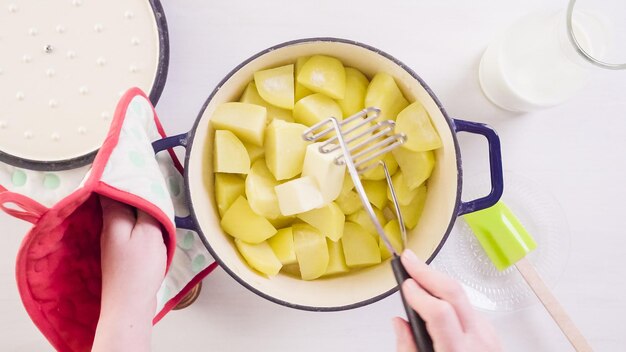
<point>506,242</point>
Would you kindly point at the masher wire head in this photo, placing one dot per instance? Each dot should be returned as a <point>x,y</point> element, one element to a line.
<point>367,139</point>
<point>363,142</point>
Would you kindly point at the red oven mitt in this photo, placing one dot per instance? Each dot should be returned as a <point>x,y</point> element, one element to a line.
<point>58,265</point>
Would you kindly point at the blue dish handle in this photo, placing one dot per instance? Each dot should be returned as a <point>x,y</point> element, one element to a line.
<point>179,140</point>
<point>495,163</point>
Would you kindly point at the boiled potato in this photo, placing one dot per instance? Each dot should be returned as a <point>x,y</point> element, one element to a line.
<point>315,108</point>
<point>229,154</point>
<point>300,90</point>
<point>324,74</point>
<point>311,251</point>
<point>329,220</point>
<point>376,192</point>
<point>415,123</point>
<point>404,194</point>
<point>392,230</point>
<point>241,222</point>
<point>282,245</point>
<point>298,196</point>
<point>383,93</point>
<point>348,184</point>
<point>282,221</point>
<point>228,188</point>
<point>416,166</point>
<point>259,256</point>
<point>260,191</point>
<point>246,121</point>
<point>362,218</point>
<point>349,202</point>
<point>378,173</point>
<point>292,269</point>
<point>255,152</point>
<point>412,212</point>
<point>251,95</point>
<point>275,86</point>
<point>337,260</point>
<point>322,168</point>
<point>285,149</point>
<point>356,87</point>
<point>359,247</point>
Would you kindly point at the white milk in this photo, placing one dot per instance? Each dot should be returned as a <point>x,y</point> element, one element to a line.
<point>533,65</point>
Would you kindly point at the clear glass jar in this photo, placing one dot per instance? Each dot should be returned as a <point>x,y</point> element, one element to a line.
<point>543,59</point>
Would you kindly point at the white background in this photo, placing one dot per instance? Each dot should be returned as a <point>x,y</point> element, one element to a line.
<point>576,150</point>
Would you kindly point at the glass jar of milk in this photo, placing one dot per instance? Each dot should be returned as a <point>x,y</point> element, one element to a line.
<point>535,64</point>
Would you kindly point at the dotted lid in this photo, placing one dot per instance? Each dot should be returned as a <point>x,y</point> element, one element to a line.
<point>63,68</point>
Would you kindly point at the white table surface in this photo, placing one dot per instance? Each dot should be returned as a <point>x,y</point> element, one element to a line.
<point>576,150</point>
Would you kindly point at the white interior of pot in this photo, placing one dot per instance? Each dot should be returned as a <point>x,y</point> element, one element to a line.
<point>356,286</point>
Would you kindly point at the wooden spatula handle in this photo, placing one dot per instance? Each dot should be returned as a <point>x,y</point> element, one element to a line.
<point>553,306</point>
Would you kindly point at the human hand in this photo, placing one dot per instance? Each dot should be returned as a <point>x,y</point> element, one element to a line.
<point>450,320</point>
<point>133,260</point>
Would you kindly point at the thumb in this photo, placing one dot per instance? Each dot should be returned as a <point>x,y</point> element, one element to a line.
<point>404,338</point>
<point>117,220</point>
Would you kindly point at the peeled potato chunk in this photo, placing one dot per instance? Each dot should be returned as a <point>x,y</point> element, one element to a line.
<point>348,184</point>
<point>300,90</point>
<point>416,166</point>
<point>414,121</point>
<point>322,168</point>
<point>241,222</point>
<point>298,196</point>
<point>251,95</point>
<point>285,149</point>
<point>362,218</point>
<point>356,87</point>
<point>392,230</point>
<point>260,191</point>
<point>337,260</point>
<point>404,194</point>
<point>376,192</point>
<point>282,221</point>
<point>259,256</point>
<point>311,251</point>
<point>315,108</point>
<point>282,245</point>
<point>412,212</point>
<point>254,151</point>
<point>349,203</point>
<point>329,220</point>
<point>229,154</point>
<point>378,173</point>
<point>292,269</point>
<point>228,188</point>
<point>383,93</point>
<point>246,121</point>
<point>324,74</point>
<point>275,86</point>
<point>359,247</point>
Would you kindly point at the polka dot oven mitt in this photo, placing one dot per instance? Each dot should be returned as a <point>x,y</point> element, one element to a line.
<point>58,265</point>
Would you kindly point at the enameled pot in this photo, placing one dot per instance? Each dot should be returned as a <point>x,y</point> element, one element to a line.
<point>443,204</point>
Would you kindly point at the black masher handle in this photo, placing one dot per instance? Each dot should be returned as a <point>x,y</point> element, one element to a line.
<point>422,339</point>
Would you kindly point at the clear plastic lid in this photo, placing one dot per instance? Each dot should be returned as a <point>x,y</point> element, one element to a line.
<point>463,258</point>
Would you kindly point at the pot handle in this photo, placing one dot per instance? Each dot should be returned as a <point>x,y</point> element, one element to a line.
<point>179,140</point>
<point>495,163</point>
